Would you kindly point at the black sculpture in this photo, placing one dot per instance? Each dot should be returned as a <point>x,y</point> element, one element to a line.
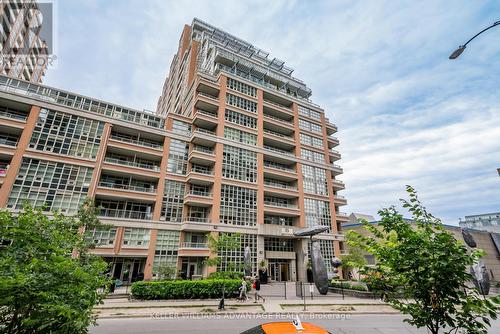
<point>247,262</point>
<point>320,275</point>
<point>468,238</point>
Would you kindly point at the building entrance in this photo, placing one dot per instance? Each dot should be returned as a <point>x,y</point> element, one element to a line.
<point>279,270</point>
<point>127,270</point>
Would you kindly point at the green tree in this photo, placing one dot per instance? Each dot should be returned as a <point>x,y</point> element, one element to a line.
<point>44,287</point>
<point>354,260</point>
<point>423,270</point>
<point>220,246</point>
<point>165,272</point>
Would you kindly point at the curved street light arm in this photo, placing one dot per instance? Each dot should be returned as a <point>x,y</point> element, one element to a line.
<point>479,33</point>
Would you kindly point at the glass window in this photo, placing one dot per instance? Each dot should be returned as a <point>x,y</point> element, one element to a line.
<point>173,201</point>
<point>241,119</point>
<point>240,136</point>
<point>314,180</point>
<point>241,87</point>
<point>178,156</point>
<point>240,102</point>
<point>238,206</point>
<point>239,164</point>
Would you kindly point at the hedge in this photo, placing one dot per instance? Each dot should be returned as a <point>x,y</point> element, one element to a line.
<point>348,285</point>
<point>184,289</point>
<point>226,275</point>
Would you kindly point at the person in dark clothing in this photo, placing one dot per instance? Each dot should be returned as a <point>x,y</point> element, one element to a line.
<point>256,287</point>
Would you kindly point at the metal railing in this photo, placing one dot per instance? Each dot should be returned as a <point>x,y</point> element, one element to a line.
<point>278,105</point>
<point>201,130</point>
<point>203,149</point>
<point>8,142</point>
<point>278,134</point>
<point>278,119</point>
<point>274,149</point>
<point>128,214</point>
<point>139,142</point>
<point>202,171</point>
<point>278,166</point>
<point>279,185</point>
<point>208,95</point>
<point>199,193</point>
<point>207,113</point>
<point>197,220</point>
<point>281,205</point>
<point>5,112</point>
<point>197,245</point>
<point>334,151</point>
<point>127,187</point>
<point>344,214</point>
<point>131,163</point>
<point>339,196</point>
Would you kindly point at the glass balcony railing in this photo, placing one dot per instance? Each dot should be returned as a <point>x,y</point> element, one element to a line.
<point>199,193</point>
<point>206,113</point>
<point>196,245</point>
<point>132,164</point>
<point>128,214</point>
<point>278,119</point>
<point>275,165</point>
<point>112,185</point>
<point>279,185</point>
<point>204,131</point>
<point>274,133</point>
<point>139,142</point>
<point>203,149</point>
<point>208,95</point>
<point>197,220</point>
<point>3,169</point>
<point>274,149</point>
<point>8,113</point>
<point>8,141</point>
<point>202,170</point>
<point>280,204</point>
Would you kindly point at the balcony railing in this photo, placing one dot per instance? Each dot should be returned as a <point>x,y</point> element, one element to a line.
<point>343,214</point>
<point>151,189</point>
<point>208,95</point>
<point>205,131</point>
<point>278,105</point>
<point>334,151</point>
<point>199,193</point>
<point>202,171</point>
<point>128,214</point>
<point>196,245</point>
<point>7,113</point>
<point>203,149</point>
<point>279,185</point>
<point>270,164</point>
<point>278,119</point>
<point>197,220</point>
<point>207,113</point>
<point>139,142</point>
<point>132,163</point>
<point>339,196</point>
<point>278,134</point>
<point>274,149</point>
<point>281,205</point>
<point>8,142</point>
<point>3,169</point>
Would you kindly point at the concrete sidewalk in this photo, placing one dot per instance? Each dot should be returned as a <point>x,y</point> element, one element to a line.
<point>124,307</point>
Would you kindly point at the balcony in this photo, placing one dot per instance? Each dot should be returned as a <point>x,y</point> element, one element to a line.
<point>201,198</point>
<point>279,171</point>
<point>126,214</point>
<point>205,119</point>
<point>9,140</point>
<point>200,175</point>
<point>330,127</point>
<point>280,188</point>
<point>334,155</point>
<point>339,200</point>
<point>203,137</point>
<point>280,206</point>
<point>207,102</point>
<point>338,185</point>
<point>276,123</point>
<point>194,249</point>
<point>342,216</point>
<point>332,141</point>
<point>12,114</point>
<point>336,169</point>
<point>136,141</point>
<point>134,164</point>
<point>278,140</point>
<point>202,155</point>
<point>195,245</point>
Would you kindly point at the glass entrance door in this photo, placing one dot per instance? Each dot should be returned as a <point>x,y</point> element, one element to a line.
<point>278,270</point>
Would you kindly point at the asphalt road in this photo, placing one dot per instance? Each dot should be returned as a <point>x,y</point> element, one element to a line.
<point>354,324</point>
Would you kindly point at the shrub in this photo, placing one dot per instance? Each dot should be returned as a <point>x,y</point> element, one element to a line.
<point>184,289</point>
<point>348,285</point>
<point>226,275</point>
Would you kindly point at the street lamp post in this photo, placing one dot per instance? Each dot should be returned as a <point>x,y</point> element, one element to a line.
<point>461,48</point>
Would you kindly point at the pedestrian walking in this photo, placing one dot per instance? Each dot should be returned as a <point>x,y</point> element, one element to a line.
<point>243,290</point>
<point>256,287</point>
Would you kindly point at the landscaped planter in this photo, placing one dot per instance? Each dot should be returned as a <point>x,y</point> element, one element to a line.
<point>355,293</point>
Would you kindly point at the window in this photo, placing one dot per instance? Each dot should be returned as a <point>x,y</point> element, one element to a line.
<point>317,212</point>
<point>59,186</point>
<point>101,237</point>
<point>173,200</point>
<point>312,155</point>
<point>232,259</point>
<point>239,164</point>
<point>241,119</point>
<point>181,127</point>
<point>309,126</point>
<point>238,206</point>
<point>136,237</point>
<point>167,246</point>
<point>178,156</point>
<point>240,136</point>
<point>241,87</point>
<point>314,180</point>
<point>66,134</point>
<point>278,244</point>
<point>278,220</point>
<point>240,102</point>
<point>304,111</point>
<point>311,140</point>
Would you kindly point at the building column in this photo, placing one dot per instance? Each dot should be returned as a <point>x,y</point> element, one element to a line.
<point>260,158</point>
<point>300,184</point>
<point>101,153</point>
<point>17,158</point>
<point>148,268</point>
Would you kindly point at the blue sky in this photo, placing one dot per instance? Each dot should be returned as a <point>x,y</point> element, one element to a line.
<point>380,69</point>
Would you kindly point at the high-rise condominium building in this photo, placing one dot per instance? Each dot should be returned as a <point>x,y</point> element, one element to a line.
<point>236,148</point>
<point>486,221</point>
<point>23,54</point>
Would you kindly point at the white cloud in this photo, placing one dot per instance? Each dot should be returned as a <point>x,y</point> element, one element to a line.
<point>406,113</point>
